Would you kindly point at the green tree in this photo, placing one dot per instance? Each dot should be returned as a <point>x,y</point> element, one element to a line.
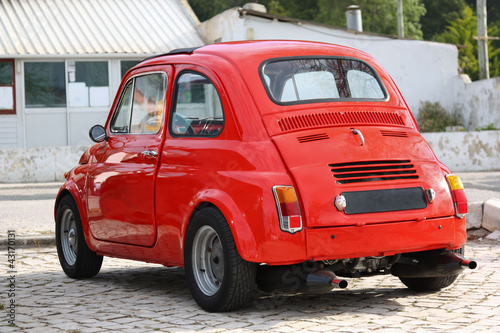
<point>461,32</point>
<point>492,6</point>
<point>301,9</point>
<point>438,14</point>
<point>379,16</point>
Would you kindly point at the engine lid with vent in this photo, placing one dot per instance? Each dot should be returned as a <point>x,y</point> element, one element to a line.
<point>382,171</point>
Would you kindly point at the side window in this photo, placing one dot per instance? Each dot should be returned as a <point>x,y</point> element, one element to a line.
<point>121,119</point>
<point>140,110</point>
<point>198,109</point>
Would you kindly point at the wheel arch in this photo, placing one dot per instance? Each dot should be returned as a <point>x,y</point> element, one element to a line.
<point>243,234</point>
<point>72,190</point>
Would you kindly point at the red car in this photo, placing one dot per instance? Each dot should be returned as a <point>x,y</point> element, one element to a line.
<point>278,163</point>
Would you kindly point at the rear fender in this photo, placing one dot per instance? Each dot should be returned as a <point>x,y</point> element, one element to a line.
<point>242,233</point>
<point>255,230</point>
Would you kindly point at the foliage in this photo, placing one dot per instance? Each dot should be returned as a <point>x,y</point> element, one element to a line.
<point>302,9</point>
<point>462,32</point>
<point>379,16</point>
<point>489,127</point>
<point>432,117</point>
<point>438,14</point>
<point>492,6</point>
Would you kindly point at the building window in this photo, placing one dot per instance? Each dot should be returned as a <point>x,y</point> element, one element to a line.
<point>44,84</point>
<point>88,83</point>
<point>125,65</point>
<point>7,87</point>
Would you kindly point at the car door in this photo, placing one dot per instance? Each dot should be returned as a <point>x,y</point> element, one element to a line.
<point>121,206</point>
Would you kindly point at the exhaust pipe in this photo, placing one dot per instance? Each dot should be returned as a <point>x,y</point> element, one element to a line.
<point>323,281</point>
<point>298,278</point>
<point>443,264</point>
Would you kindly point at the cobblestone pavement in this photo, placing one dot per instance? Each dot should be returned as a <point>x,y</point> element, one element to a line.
<point>129,296</point>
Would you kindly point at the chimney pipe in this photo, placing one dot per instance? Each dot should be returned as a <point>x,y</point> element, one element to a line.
<point>353,16</point>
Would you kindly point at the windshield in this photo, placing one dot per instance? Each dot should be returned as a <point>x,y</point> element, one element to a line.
<point>308,80</point>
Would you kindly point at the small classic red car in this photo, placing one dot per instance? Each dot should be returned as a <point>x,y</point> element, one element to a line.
<point>278,163</point>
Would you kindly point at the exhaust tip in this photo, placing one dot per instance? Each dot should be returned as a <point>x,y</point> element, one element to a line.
<point>471,264</point>
<point>342,284</point>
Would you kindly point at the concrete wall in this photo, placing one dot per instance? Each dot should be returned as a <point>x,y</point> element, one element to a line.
<point>460,151</point>
<point>467,151</point>
<point>479,101</point>
<point>44,164</point>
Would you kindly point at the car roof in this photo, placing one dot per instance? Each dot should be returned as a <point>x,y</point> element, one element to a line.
<point>245,52</point>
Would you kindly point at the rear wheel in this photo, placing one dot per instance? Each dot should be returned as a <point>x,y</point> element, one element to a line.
<point>219,279</point>
<point>76,259</point>
<point>431,283</point>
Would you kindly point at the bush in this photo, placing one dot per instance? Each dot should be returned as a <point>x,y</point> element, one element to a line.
<point>489,127</point>
<point>432,117</point>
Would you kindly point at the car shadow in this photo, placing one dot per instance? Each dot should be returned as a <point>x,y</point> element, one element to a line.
<point>149,291</point>
<point>171,283</point>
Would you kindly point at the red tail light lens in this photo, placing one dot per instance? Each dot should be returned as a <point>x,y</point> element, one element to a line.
<point>288,208</point>
<point>459,197</point>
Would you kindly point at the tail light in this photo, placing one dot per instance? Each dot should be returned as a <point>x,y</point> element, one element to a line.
<point>288,208</point>
<point>459,197</point>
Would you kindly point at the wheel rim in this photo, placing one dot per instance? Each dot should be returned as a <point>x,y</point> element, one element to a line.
<point>208,260</point>
<point>69,237</point>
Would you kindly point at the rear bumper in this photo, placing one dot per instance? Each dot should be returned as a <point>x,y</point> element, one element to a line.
<point>385,239</point>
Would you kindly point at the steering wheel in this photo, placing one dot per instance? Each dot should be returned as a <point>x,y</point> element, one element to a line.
<point>181,125</point>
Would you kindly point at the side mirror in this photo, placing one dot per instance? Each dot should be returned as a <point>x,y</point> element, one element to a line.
<point>98,134</point>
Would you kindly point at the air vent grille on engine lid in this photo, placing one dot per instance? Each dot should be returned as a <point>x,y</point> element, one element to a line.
<point>369,171</point>
<point>396,134</point>
<point>313,137</point>
<point>340,118</point>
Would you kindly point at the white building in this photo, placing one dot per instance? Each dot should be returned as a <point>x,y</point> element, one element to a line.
<point>61,62</point>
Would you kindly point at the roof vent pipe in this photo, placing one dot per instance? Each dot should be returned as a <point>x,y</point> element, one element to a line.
<point>353,15</point>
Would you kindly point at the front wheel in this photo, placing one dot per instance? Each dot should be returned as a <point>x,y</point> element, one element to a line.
<point>76,259</point>
<point>219,279</point>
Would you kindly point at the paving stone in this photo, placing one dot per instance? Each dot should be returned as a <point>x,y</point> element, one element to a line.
<point>128,296</point>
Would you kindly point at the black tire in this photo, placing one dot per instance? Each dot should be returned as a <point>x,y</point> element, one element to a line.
<point>76,259</point>
<point>219,279</point>
<point>431,283</point>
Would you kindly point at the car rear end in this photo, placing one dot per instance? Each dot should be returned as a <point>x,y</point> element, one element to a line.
<point>368,190</point>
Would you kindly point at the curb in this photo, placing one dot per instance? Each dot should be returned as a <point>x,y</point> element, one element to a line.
<point>30,241</point>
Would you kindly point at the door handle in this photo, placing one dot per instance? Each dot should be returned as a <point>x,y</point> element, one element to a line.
<point>150,153</point>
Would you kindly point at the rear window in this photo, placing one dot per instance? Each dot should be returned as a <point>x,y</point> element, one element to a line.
<point>310,80</point>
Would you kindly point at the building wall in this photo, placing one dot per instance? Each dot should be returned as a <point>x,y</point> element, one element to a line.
<point>8,131</point>
<point>59,126</point>
<point>460,151</point>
